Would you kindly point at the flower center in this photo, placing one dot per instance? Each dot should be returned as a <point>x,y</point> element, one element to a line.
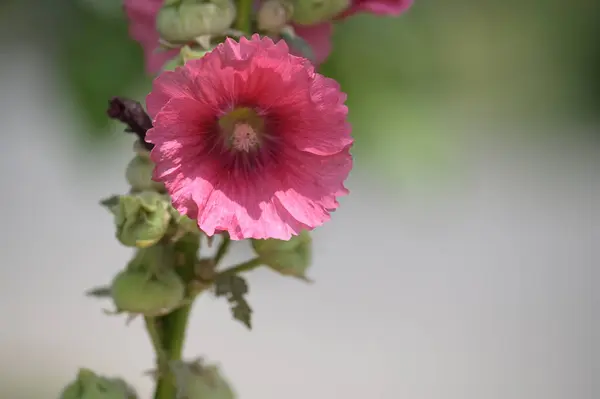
<point>244,137</point>
<point>242,129</point>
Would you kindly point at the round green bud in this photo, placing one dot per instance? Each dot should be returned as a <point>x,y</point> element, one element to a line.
<point>198,381</point>
<point>139,175</point>
<point>309,12</point>
<point>181,21</point>
<point>142,219</point>
<point>290,258</point>
<point>141,292</point>
<point>91,386</point>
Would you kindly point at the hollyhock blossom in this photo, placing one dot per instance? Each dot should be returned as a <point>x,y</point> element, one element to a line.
<point>250,140</point>
<point>142,28</point>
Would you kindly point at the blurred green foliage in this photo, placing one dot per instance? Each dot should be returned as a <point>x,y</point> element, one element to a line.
<point>443,65</point>
<point>97,60</point>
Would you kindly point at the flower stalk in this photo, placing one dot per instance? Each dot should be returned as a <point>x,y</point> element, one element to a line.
<point>243,16</point>
<point>168,332</point>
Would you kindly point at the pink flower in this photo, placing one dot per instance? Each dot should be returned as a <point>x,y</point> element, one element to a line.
<point>142,28</point>
<point>250,140</point>
<point>378,7</point>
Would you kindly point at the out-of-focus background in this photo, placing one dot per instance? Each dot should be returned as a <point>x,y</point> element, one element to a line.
<point>461,266</point>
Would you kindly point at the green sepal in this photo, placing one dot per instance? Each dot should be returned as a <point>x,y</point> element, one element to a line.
<point>290,258</point>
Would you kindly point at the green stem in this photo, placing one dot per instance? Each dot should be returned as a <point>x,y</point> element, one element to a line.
<point>173,340</point>
<point>155,333</point>
<point>168,342</point>
<point>223,248</point>
<point>242,267</point>
<point>244,13</point>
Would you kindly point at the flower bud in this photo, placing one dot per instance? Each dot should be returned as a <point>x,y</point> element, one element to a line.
<point>139,175</point>
<point>198,381</point>
<point>142,219</point>
<point>310,12</point>
<point>273,15</point>
<point>91,386</point>
<point>140,150</point>
<point>183,20</point>
<point>290,258</point>
<point>151,294</point>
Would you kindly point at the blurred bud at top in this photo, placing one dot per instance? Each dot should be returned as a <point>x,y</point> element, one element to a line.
<point>310,12</point>
<point>182,21</point>
<point>290,258</point>
<point>196,380</point>
<point>91,386</point>
<point>273,15</point>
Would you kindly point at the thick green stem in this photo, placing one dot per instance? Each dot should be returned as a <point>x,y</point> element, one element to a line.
<point>243,17</point>
<point>168,332</point>
<point>153,326</point>
<point>174,337</point>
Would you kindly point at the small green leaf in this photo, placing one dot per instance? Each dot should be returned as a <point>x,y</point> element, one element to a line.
<point>110,202</point>
<point>241,311</point>
<point>234,288</point>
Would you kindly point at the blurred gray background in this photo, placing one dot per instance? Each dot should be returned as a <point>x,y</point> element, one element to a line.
<point>463,264</point>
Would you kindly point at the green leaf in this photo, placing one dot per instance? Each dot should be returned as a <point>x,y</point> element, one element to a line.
<point>234,288</point>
